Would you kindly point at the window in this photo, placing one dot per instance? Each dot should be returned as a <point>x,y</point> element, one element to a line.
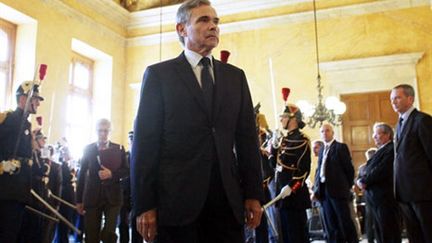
<point>7,49</point>
<point>79,104</point>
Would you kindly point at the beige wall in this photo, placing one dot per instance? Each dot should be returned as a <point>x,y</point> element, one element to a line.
<point>290,46</point>
<point>56,26</point>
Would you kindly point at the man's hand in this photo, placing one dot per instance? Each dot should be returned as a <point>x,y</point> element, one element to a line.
<point>80,208</point>
<point>147,225</point>
<point>105,173</point>
<point>253,213</point>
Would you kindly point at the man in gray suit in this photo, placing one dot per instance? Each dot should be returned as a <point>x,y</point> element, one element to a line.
<point>413,164</point>
<point>195,165</point>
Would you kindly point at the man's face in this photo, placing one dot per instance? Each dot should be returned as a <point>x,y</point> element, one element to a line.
<point>201,33</point>
<point>284,120</point>
<point>400,102</point>
<point>103,132</point>
<point>380,137</point>
<point>40,142</point>
<point>33,104</point>
<point>316,148</point>
<point>326,132</point>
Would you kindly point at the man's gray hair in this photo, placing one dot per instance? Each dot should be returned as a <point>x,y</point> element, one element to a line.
<point>370,153</point>
<point>407,89</point>
<point>103,122</point>
<point>386,128</point>
<point>318,141</point>
<point>184,13</point>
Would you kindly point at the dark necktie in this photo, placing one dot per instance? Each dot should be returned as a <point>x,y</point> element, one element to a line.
<point>207,83</point>
<point>399,128</point>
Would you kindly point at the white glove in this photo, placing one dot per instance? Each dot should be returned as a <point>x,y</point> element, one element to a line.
<point>285,191</point>
<point>275,138</point>
<point>10,166</point>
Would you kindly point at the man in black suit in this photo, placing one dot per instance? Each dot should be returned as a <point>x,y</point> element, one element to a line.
<point>99,192</point>
<point>413,164</point>
<point>195,168</point>
<point>377,181</point>
<point>334,178</point>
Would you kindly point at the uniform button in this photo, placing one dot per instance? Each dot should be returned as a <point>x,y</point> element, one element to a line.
<point>213,130</point>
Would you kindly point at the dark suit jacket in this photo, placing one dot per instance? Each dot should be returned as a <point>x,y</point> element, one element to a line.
<point>294,154</point>
<point>378,176</point>
<point>339,172</point>
<point>175,139</point>
<point>91,191</point>
<point>413,159</point>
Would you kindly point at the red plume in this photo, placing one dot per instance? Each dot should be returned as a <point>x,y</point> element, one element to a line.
<point>285,93</point>
<point>224,56</point>
<point>39,120</point>
<point>42,71</point>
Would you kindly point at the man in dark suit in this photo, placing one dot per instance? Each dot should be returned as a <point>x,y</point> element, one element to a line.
<point>413,164</point>
<point>334,178</point>
<point>377,181</point>
<point>195,168</point>
<point>99,192</point>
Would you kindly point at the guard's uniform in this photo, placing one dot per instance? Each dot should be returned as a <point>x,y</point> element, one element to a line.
<point>32,224</point>
<point>14,187</point>
<point>292,168</point>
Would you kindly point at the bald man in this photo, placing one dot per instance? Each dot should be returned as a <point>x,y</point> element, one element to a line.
<point>334,178</point>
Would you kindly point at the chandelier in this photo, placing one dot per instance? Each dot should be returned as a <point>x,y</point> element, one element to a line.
<point>332,109</point>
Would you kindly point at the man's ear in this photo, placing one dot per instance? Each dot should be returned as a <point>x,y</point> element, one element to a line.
<point>411,99</point>
<point>181,30</point>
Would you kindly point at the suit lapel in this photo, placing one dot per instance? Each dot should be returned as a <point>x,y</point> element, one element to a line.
<point>406,128</point>
<point>186,74</point>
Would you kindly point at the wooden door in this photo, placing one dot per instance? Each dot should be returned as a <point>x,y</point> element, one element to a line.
<point>363,110</point>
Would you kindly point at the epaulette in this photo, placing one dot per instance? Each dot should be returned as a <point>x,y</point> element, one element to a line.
<point>3,115</point>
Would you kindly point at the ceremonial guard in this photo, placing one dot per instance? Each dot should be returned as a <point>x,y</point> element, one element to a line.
<point>15,159</point>
<point>67,190</point>
<point>261,232</point>
<point>34,226</point>
<point>54,188</point>
<point>291,157</point>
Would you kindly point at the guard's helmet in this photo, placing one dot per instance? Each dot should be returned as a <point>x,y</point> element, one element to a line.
<point>26,86</point>
<point>38,134</point>
<point>291,111</point>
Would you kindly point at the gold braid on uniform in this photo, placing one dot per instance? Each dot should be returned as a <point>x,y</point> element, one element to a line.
<point>303,143</point>
<point>301,178</point>
<point>3,115</point>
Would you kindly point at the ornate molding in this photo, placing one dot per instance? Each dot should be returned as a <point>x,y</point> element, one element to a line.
<point>151,17</point>
<point>168,16</point>
<point>110,10</point>
<point>371,73</point>
<point>84,19</point>
<point>372,62</point>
